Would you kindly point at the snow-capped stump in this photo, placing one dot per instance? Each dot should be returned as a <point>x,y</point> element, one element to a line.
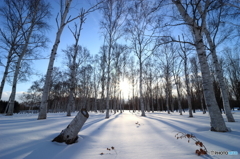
<point>70,134</point>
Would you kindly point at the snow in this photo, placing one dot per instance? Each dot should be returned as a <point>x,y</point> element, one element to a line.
<point>22,136</point>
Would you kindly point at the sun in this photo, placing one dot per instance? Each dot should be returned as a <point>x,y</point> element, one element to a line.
<point>124,88</point>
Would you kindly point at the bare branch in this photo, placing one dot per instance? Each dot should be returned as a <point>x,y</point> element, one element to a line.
<point>89,10</point>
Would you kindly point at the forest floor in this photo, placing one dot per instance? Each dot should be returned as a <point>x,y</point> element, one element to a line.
<point>127,135</point>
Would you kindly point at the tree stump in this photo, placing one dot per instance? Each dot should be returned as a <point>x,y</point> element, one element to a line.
<point>70,134</point>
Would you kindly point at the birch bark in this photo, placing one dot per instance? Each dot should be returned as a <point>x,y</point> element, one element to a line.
<point>18,66</point>
<point>186,74</point>
<point>217,67</point>
<point>73,65</point>
<point>43,107</point>
<point>26,34</point>
<point>70,134</point>
<point>140,87</point>
<point>103,78</point>
<point>177,82</point>
<point>220,78</point>
<point>217,122</point>
<point>14,86</point>
<point>7,13</point>
<point>108,81</point>
<point>187,85</point>
<point>5,72</point>
<point>167,95</point>
<point>95,87</point>
<point>111,24</point>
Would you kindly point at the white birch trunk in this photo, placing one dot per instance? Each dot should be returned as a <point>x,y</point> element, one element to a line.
<point>201,99</point>
<point>73,69</point>
<point>140,89</point>
<point>167,102</point>
<point>178,97</point>
<point>220,78</point>
<point>95,100</point>
<point>71,101</point>
<point>158,105</point>
<point>186,74</point>
<point>114,96</point>
<point>17,70</point>
<point>70,134</point>
<point>151,92</point>
<point>14,86</point>
<point>108,73</point>
<point>95,91</point>
<point>168,85</point>
<point>172,101</point>
<point>187,85</point>
<point>161,102</point>
<point>108,90</point>
<point>147,102</point>
<point>198,85</point>
<point>43,107</point>
<point>133,98</point>
<point>102,103</point>
<point>5,72</point>
<point>217,122</point>
<point>120,103</point>
<point>152,104</point>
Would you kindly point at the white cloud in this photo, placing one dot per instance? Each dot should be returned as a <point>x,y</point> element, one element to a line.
<point>6,95</point>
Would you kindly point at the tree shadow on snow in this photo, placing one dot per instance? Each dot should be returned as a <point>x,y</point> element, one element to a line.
<point>61,150</point>
<point>202,138</point>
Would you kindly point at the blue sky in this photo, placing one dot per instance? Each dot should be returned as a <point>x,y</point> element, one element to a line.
<point>90,38</point>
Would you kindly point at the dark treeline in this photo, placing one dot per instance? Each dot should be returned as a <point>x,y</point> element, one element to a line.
<point>17,107</point>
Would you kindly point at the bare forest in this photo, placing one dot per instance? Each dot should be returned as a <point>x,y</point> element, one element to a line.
<point>155,55</point>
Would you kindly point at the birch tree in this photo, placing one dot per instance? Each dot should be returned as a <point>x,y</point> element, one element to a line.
<point>232,69</point>
<point>96,79</point>
<point>141,22</point>
<point>119,53</point>
<point>166,63</point>
<point>77,56</point>
<point>64,9</point>
<point>69,135</point>
<point>196,81</point>
<point>10,37</point>
<point>149,82</point>
<point>132,73</point>
<point>33,96</point>
<point>184,56</point>
<point>191,19</point>
<point>103,52</point>
<point>85,73</point>
<point>111,24</point>
<point>177,65</point>
<point>211,39</point>
<point>72,57</point>
<point>31,17</point>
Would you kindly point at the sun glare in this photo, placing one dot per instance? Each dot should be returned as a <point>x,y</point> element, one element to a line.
<point>124,87</point>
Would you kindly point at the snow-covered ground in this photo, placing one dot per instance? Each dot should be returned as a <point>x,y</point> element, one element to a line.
<point>23,136</point>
